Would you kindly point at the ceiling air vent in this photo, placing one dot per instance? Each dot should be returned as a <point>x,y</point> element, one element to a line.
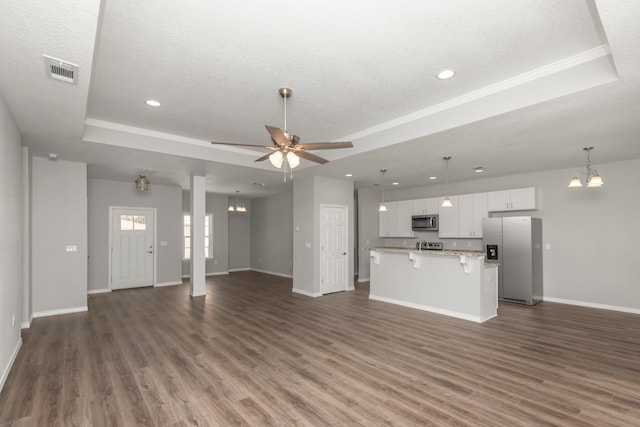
<point>58,69</point>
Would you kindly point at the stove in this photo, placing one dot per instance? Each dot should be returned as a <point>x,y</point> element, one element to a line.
<point>429,246</point>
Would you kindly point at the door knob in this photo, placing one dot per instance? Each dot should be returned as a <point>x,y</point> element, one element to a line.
<point>344,253</point>
<point>149,252</point>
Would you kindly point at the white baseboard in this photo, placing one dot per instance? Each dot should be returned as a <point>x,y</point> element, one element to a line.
<point>455,314</point>
<point>159,285</point>
<point>363,279</point>
<point>7,369</point>
<point>60,311</point>
<point>98,291</point>
<point>306,293</point>
<point>273,273</point>
<point>219,273</point>
<point>231,270</point>
<point>593,305</point>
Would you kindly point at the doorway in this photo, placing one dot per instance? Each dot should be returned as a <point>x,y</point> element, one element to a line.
<point>132,247</point>
<point>334,248</point>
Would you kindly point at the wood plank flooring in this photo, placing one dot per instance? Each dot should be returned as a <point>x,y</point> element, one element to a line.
<point>253,353</point>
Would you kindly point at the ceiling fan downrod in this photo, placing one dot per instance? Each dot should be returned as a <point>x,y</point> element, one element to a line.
<point>285,93</point>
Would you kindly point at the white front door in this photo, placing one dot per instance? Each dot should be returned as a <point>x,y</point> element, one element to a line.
<point>132,251</point>
<point>334,241</point>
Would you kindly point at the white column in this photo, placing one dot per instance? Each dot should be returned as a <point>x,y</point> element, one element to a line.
<point>198,212</point>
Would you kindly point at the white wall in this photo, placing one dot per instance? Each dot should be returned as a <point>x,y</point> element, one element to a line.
<point>166,199</point>
<point>309,193</point>
<point>59,220</point>
<point>11,215</point>
<point>593,233</point>
<point>216,205</point>
<point>271,234</point>
<point>239,236</point>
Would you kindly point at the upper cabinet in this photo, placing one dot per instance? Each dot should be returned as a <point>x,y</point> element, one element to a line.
<point>425,206</point>
<point>518,199</point>
<point>471,209</point>
<point>448,218</point>
<point>396,222</point>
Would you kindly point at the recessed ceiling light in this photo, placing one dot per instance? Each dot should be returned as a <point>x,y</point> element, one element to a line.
<point>152,103</point>
<point>478,169</point>
<point>53,156</point>
<point>445,74</point>
<point>395,183</point>
<point>349,174</point>
<point>433,177</point>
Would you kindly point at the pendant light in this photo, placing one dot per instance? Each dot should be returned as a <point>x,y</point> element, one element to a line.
<point>446,202</point>
<point>382,207</point>
<point>238,207</point>
<point>142,183</point>
<point>593,178</point>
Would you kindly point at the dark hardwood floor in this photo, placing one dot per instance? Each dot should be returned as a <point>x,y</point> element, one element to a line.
<point>253,353</point>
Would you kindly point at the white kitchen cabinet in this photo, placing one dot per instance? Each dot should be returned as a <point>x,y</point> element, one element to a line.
<point>396,222</point>
<point>517,199</point>
<point>471,209</point>
<point>448,218</point>
<point>425,206</point>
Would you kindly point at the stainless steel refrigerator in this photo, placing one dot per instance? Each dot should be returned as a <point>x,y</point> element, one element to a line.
<point>516,242</point>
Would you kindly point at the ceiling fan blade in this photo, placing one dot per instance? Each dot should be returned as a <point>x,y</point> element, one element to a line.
<point>312,157</point>
<point>265,157</point>
<point>326,145</point>
<point>278,136</point>
<point>240,145</point>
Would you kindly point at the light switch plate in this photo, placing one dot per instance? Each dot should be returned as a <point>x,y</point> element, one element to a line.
<point>164,243</point>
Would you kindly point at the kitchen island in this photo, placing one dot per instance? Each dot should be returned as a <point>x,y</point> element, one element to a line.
<point>455,283</point>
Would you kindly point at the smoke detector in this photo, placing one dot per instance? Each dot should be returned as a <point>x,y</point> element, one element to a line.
<point>58,69</point>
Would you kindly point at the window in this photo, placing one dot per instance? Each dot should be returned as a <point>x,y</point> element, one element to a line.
<point>133,222</point>
<point>208,236</point>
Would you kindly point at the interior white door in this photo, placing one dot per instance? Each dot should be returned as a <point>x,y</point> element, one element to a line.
<point>334,258</point>
<point>132,239</point>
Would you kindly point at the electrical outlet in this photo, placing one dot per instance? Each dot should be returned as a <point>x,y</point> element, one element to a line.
<point>453,244</point>
<point>469,244</point>
<point>404,242</point>
<point>215,261</point>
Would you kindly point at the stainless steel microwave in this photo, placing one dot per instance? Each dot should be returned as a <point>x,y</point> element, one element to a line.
<point>424,223</point>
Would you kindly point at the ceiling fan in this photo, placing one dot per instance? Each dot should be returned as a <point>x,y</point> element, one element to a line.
<point>286,145</point>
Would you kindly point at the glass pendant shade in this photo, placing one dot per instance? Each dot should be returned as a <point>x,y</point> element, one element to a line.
<point>382,208</point>
<point>276,158</point>
<point>231,208</point>
<point>446,203</point>
<point>575,182</point>
<point>595,181</point>
<point>294,161</point>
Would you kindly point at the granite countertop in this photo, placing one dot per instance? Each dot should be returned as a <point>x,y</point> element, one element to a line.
<point>428,252</point>
<point>446,252</point>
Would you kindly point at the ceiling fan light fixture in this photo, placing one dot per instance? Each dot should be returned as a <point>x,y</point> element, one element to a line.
<point>293,160</point>
<point>276,158</point>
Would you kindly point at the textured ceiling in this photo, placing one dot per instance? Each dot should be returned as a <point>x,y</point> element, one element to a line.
<point>536,81</point>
